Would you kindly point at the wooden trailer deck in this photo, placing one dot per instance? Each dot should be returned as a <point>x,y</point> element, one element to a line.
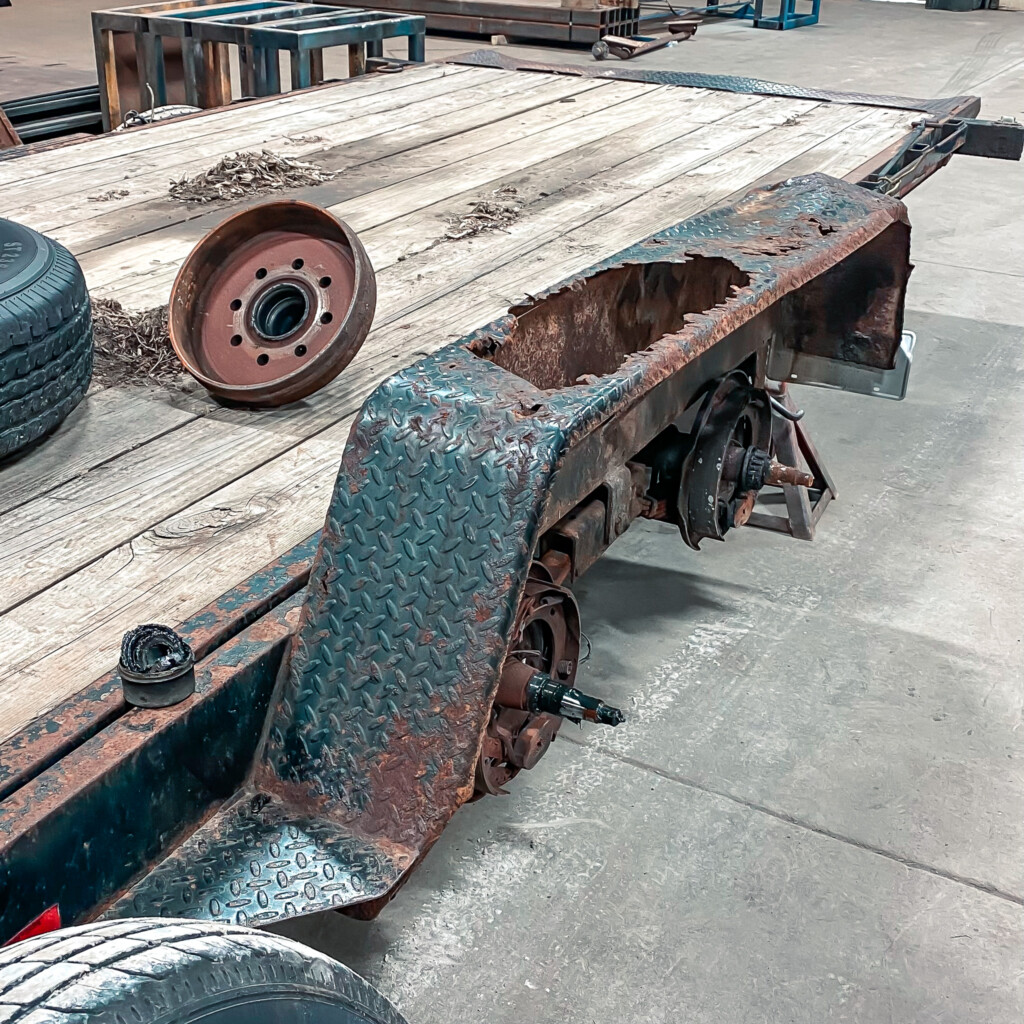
<point>147,504</point>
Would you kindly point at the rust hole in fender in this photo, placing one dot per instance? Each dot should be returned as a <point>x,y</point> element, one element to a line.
<point>589,328</point>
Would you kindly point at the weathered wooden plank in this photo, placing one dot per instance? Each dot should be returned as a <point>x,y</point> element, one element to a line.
<point>110,274</point>
<point>878,129</point>
<point>84,225</point>
<point>174,157</point>
<point>161,546</point>
<point>385,158</point>
<point>445,144</point>
<point>215,84</point>
<point>106,424</point>
<point>50,537</point>
<point>175,133</point>
<point>385,189</point>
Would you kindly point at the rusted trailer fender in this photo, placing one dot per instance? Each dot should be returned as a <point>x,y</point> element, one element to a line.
<point>458,479</point>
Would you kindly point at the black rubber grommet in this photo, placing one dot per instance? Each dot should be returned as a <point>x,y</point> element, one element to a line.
<point>157,667</point>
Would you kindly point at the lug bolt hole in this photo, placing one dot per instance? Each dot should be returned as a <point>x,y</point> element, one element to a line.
<point>324,282</point>
<point>297,264</point>
<point>326,318</point>
<point>236,304</point>
<point>263,359</point>
<point>300,350</point>
<point>236,339</point>
<point>261,273</point>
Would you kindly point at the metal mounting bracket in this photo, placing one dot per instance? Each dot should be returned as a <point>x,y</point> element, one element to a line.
<point>803,368</point>
<point>933,142</point>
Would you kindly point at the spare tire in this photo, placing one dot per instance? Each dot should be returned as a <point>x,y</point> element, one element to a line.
<point>166,971</point>
<point>45,336</point>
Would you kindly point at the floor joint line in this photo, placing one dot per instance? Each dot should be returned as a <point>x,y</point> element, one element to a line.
<point>950,876</point>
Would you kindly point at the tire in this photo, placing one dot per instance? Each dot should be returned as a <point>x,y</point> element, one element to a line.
<point>45,336</point>
<point>166,971</point>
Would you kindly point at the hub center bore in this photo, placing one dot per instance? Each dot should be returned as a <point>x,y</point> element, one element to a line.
<point>279,311</point>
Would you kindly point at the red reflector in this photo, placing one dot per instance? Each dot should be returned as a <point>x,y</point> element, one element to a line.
<point>47,921</point>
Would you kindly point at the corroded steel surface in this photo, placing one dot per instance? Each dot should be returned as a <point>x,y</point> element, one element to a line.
<point>966,106</point>
<point>259,861</point>
<point>272,304</point>
<point>545,638</point>
<point>76,834</point>
<point>68,725</point>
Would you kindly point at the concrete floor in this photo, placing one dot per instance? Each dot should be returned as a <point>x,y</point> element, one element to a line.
<point>816,809</point>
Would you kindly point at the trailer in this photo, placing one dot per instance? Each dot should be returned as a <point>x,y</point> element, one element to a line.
<point>690,247</point>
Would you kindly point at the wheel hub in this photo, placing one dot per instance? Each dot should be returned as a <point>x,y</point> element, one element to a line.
<point>736,430</point>
<point>272,304</point>
<point>545,638</point>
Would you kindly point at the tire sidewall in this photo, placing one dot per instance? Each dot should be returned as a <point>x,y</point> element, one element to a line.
<point>46,341</point>
<point>282,1004</point>
<point>25,256</point>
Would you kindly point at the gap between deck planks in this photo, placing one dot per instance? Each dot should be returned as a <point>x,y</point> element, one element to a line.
<point>426,114</point>
<point>359,193</point>
<point>110,423</point>
<point>421,228</point>
<point>168,145</point>
<point>175,565</point>
<point>531,117</point>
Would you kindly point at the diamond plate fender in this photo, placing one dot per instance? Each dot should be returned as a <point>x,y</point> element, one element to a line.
<point>424,554</point>
<point>448,481</point>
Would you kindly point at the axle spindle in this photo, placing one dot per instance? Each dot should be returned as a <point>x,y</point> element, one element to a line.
<point>545,694</point>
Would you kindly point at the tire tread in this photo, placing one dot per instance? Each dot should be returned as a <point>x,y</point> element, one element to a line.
<point>45,351</point>
<point>142,974</point>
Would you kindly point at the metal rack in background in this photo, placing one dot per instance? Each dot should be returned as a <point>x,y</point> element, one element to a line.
<point>749,10</point>
<point>177,51</point>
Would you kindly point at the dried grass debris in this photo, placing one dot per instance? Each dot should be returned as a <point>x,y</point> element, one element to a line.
<point>488,214</point>
<point>133,347</point>
<point>247,174</point>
